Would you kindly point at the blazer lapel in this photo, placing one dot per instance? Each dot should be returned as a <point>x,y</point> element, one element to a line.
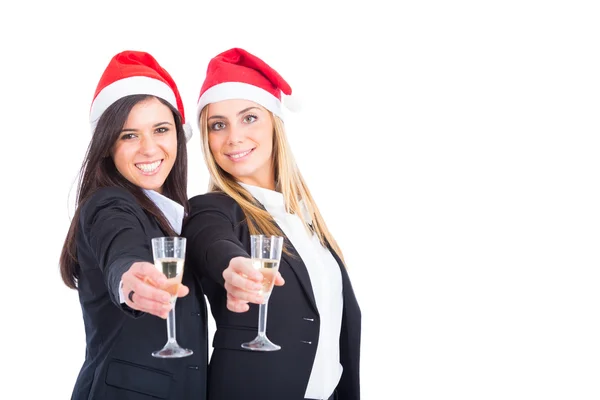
<point>297,265</point>
<point>346,285</point>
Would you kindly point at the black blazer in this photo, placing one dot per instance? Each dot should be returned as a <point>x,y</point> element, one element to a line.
<point>216,233</point>
<point>114,232</point>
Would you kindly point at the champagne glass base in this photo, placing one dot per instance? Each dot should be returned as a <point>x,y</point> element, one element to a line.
<point>261,344</point>
<point>170,351</point>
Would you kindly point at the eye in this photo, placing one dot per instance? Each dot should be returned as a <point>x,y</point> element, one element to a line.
<point>250,118</point>
<point>128,136</point>
<point>217,126</point>
<point>162,129</point>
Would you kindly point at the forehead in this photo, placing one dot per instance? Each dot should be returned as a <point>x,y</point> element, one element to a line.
<point>230,108</point>
<point>149,110</point>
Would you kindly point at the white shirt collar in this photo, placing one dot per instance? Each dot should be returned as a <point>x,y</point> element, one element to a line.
<point>266,197</point>
<point>172,210</point>
<point>273,201</point>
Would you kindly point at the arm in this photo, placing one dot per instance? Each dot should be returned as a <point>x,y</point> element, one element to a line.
<point>111,225</point>
<point>212,243</point>
<point>218,254</point>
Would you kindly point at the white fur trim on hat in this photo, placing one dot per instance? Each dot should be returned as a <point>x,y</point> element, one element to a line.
<point>129,86</point>
<point>239,90</point>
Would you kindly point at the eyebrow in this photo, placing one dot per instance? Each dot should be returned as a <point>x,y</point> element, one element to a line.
<point>154,126</point>
<point>238,114</point>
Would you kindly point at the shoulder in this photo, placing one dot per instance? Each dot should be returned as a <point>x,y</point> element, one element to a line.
<point>213,205</point>
<point>110,198</point>
<point>215,201</point>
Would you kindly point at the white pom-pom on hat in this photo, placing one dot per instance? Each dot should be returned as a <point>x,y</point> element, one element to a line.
<point>187,129</point>
<point>292,102</point>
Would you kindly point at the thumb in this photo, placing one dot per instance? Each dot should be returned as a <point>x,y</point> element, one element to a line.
<point>149,273</point>
<point>279,281</point>
<point>182,291</point>
<point>243,266</point>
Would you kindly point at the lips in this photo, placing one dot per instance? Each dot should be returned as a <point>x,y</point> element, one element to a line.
<point>239,155</point>
<point>149,168</point>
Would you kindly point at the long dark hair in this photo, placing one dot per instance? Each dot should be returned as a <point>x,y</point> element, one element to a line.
<point>98,171</point>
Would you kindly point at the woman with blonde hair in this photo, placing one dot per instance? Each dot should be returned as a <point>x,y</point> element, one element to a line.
<point>256,188</point>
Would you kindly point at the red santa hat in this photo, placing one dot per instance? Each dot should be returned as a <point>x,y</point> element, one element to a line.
<point>135,72</point>
<point>237,74</point>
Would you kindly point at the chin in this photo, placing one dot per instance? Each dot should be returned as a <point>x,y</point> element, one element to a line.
<point>242,172</point>
<point>153,186</point>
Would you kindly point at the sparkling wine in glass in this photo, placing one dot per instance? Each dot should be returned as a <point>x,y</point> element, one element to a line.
<point>169,257</point>
<point>266,254</point>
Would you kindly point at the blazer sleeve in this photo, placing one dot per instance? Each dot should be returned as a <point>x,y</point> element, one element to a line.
<point>209,229</point>
<point>111,226</point>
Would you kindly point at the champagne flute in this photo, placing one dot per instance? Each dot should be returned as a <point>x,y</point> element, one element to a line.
<point>169,257</point>
<point>266,254</point>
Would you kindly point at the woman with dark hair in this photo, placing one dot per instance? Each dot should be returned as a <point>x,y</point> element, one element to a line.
<point>132,188</point>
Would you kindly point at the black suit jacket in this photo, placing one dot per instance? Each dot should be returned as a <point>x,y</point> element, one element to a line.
<point>114,232</point>
<point>216,233</point>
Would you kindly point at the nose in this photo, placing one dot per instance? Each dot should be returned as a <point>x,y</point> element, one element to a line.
<point>236,135</point>
<point>148,145</point>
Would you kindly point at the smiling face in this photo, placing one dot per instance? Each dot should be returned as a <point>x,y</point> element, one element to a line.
<point>240,137</point>
<point>146,148</point>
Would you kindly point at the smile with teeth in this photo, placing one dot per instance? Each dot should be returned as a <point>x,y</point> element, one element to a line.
<point>148,168</point>
<point>240,155</point>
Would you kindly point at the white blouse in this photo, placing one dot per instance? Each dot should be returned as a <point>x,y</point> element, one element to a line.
<point>172,210</point>
<point>326,281</point>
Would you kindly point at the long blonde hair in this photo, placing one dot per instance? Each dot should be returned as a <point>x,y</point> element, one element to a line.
<point>288,179</point>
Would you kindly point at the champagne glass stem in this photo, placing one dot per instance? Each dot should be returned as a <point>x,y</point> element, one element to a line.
<point>171,325</point>
<point>262,319</point>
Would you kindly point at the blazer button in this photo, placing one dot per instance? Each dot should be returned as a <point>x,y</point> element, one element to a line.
<point>194,367</point>
<point>305,342</point>
<point>195,314</point>
<point>308,319</point>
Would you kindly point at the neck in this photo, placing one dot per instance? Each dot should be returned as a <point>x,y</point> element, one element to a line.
<point>265,184</point>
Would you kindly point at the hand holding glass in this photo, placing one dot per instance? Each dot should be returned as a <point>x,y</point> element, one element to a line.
<point>169,257</point>
<point>266,254</point>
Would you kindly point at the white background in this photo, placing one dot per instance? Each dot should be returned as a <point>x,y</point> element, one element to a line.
<point>453,148</point>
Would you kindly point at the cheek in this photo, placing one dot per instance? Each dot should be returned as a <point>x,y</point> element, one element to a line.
<point>214,144</point>
<point>169,147</point>
<point>262,134</point>
<point>173,149</point>
<point>120,157</point>
<point>266,142</point>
